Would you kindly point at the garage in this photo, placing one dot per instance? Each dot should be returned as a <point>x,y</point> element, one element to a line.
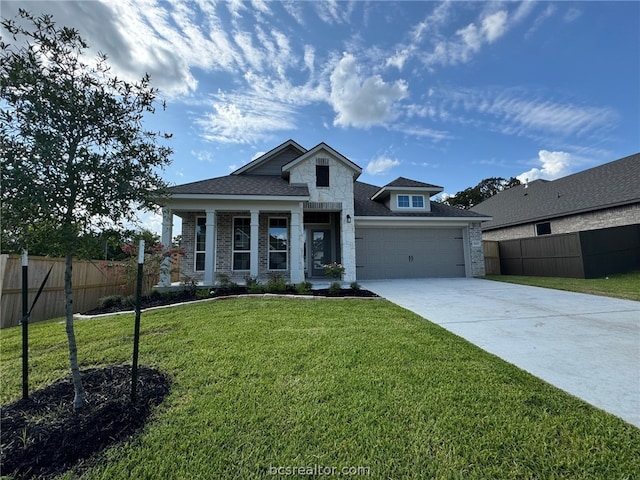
<point>409,253</point>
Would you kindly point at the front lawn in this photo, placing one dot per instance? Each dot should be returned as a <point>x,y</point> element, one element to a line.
<point>620,285</point>
<point>266,385</point>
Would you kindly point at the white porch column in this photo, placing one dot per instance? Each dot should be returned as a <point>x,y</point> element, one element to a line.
<point>255,215</point>
<point>167,237</point>
<point>295,249</point>
<point>210,247</point>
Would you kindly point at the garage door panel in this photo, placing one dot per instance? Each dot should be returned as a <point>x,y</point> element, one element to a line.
<point>409,253</point>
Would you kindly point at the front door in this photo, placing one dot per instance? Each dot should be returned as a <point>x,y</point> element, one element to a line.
<point>320,251</point>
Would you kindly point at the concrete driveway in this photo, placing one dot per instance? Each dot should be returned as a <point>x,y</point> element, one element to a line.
<point>586,345</point>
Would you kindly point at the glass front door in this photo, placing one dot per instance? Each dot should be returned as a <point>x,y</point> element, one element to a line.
<point>320,251</point>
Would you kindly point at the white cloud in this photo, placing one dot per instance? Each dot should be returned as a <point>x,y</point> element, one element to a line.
<point>363,103</point>
<point>245,119</point>
<point>494,26</point>
<point>381,165</point>
<point>552,165</point>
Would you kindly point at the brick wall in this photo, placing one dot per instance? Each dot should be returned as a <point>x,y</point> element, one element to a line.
<point>609,217</point>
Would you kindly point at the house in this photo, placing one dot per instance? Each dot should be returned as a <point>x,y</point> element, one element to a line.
<point>601,197</point>
<point>583,225</point>
<point>292,210</point>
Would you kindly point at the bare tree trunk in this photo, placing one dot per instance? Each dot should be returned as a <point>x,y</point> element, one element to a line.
<point>78,401</point>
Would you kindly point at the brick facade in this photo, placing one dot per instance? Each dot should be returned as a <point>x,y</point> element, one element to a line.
<point>605,218</point>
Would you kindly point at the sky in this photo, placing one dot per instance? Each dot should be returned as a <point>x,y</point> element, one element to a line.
<point>447,93</point>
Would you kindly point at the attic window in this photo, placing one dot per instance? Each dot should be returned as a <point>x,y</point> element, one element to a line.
<point>322,175</point>
<point>411,201</point>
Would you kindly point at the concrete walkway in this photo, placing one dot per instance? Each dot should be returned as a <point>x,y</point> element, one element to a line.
<point>586,345</point>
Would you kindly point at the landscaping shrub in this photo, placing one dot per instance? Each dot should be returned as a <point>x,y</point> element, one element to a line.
<point>335,288</point>
<point>304,288</point>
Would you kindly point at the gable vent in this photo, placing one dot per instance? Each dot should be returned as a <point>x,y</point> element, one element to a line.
<point>322,161</point>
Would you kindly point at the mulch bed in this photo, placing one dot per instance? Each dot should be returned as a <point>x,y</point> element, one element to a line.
<point>188,296</point>
<point>43,436</point>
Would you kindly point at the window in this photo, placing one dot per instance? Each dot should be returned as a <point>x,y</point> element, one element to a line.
<point>241,243</point>
<point>322,175</point>
<point>543,228</point>
<point>417,201</point>
<point>410,201</point>
<point>278,243</point>
<point>403,201</point>
<point>201,241</point>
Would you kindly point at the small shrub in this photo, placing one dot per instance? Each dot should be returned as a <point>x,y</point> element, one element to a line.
<point>276,284</point>
<point>190,284</point>
<point>203,293</point>
<point>155,294</point>
<point>304,287</point>
<point>110,301</point>
<point>129,301</point>
<point>335,288</point>
<point>255,287</point>
<point>355,286</point>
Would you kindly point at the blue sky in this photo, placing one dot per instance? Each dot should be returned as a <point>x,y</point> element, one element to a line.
<point>442,92</point>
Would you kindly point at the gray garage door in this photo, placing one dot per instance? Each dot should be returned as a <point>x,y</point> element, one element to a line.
<point>409,253</point>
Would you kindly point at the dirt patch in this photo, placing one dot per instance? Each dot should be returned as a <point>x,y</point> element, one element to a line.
<point>43,436</point>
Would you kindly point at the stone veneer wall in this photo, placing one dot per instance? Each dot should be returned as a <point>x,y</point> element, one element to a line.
<point>340,190</point>
<point>605,218</point>
<point>476,250</point>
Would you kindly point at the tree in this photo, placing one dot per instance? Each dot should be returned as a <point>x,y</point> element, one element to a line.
<point>74,151</point>
<point>487,188</point>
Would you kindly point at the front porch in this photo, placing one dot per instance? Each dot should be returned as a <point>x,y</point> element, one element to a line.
<point>260,244</point>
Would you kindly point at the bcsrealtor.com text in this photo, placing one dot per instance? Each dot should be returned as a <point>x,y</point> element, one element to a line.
<point>318,470</point>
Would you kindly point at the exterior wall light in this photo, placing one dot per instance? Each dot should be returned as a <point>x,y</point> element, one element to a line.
<point>348,218</point>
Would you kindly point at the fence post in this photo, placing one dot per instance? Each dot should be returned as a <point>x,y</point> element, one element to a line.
<point>136,333</point>
<point>25,325</point>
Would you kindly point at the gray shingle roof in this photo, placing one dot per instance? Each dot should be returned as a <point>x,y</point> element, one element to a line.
<point>407,182</point>
<point>609,185</point>
<point>365,207</point>
<point>241,185</point>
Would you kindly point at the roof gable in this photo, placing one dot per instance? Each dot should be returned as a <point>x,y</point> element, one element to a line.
<point>366,206</point>
<point>357,170</point>
<point>612,184</point>
<point>271,162</point>
<point>406,185</point>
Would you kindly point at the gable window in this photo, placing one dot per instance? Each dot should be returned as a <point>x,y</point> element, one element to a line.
<point>543,228</point>
<point>322,175</point>
<point>278,243</point>
<point>410,201</point>
<point>201,238</point>
<point>241,243</point>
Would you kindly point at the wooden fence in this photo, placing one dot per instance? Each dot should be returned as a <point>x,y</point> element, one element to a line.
<point>89,285</point>
<point>491,257</point>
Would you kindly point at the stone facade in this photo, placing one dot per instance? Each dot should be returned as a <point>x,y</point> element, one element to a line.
<point>605,218</point>
<point>340,191</point>
<point>476,250</point>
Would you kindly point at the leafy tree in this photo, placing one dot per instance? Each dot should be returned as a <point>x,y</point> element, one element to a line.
<point>74,151</point>
<point>487,188</point>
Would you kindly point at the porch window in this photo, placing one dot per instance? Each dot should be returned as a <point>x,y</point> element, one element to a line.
<point>241,243</point>
<point>278,243</point>
<point>201,235</point>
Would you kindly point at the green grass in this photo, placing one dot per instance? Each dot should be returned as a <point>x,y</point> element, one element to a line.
<point>621,285</point>
<point>262,383</point>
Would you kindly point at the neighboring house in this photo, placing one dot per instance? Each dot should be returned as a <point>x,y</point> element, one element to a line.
<point>585,225</point>
<point>292,211</point>
<point>600,197</point>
